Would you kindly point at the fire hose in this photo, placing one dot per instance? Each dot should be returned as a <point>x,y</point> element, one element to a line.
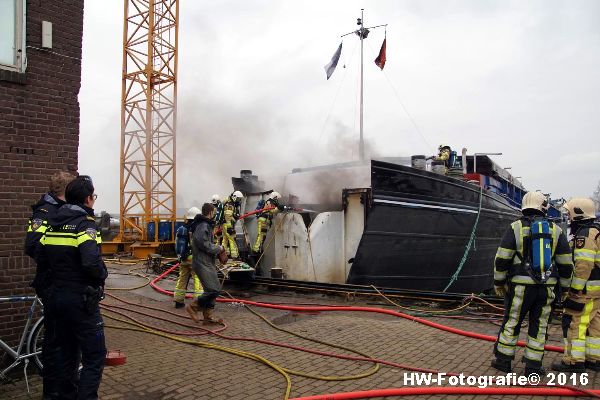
<point>411,391</point>
<point>540,391</point>
<point>461,332</point>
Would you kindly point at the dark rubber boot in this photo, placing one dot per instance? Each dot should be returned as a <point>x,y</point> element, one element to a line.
<point>562,367</point>
<point>179,304</point>
<point>591,365</point>
<point>540,371</point>
<point>502,365</point>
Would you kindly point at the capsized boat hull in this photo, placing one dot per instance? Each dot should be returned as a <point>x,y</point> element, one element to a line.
<point>417,229</point>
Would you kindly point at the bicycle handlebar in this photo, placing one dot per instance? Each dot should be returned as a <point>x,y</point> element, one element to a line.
<point>18,298</point>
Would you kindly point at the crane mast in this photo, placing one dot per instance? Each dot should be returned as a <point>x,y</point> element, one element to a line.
<point>148,120</point>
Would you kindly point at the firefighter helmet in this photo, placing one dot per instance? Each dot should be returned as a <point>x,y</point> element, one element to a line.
<point>580,208</point>
<point>192,212</point>
<point>535,201</point>
<point>275,196</point>
<point>237,196</point>
<point>215,199</point>
<point>443,146</point>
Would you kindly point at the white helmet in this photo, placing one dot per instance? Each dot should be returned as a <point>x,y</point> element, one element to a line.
<point>580,208</point>
<point>275,196</point>
<point>535,201</point>
<point>192,212</point>
<point>237,195</point>
<point>215,199</point>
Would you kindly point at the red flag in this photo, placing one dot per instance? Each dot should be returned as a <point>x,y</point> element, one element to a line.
<point>380,60</point>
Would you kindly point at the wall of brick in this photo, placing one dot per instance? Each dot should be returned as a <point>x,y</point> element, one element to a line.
<point>39,135</point>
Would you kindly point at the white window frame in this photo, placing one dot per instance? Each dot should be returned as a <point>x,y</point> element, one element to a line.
<point>20,39</point>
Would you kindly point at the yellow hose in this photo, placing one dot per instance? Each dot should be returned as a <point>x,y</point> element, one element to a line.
<point>320,377</point>
<point>129,288</point>
<point>423,311</point>
<point>207,345</point>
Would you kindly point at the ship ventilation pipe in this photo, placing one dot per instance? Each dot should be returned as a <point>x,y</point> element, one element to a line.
<point>464,160</point>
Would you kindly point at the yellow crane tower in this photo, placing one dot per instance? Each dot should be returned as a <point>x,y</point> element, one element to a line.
<point>148,126</point>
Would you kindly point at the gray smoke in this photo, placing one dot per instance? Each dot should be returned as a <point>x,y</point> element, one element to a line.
<point>215,141</point>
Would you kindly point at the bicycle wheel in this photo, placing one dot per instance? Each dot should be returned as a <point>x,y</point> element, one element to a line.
<point>34,342</point>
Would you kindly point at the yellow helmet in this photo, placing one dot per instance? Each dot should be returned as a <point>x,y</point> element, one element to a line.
<point>535,201</point>
<point>580,208</point>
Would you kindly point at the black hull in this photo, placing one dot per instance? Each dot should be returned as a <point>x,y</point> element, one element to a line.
<point>417,227</point>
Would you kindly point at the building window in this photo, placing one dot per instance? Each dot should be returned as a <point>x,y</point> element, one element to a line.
<point>12,35</point>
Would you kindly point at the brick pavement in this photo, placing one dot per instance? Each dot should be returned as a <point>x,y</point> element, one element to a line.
<point>159,368</point>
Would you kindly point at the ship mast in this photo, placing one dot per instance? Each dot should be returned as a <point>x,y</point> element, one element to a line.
<point>362,33</point>
<point>361,144</point>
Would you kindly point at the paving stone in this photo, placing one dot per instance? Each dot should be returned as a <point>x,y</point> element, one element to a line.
<point>160,368</point>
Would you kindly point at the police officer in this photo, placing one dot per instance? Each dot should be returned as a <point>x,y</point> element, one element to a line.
<point>525,292</point>
<point>184,253</point>
<point>36,227</point>
<point>581,318</point>
<point>71,249</point>
<point>38,222</point>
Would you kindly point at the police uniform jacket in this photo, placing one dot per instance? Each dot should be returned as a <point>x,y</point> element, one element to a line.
<point>38,223</point>
<point>586,255</point>
<point>508,262</point>
<point>71,248</point>
<point>36,227</point>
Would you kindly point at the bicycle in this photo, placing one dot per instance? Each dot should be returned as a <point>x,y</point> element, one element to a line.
<point>31,343</point>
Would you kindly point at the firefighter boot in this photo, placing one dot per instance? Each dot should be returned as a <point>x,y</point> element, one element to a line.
<point>540,371</point>
<point>560,366</point>
<point>193,309</point>
<point>591,365</point>
<point>532,367</point>
<point>502,365</point>
<point>209,318</point>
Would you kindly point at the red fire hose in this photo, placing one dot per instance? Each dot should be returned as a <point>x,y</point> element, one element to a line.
<point>351,308</point>
<point>415,391</point>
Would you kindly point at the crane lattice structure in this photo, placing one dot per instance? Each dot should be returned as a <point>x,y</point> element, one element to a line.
<point>148,117</point>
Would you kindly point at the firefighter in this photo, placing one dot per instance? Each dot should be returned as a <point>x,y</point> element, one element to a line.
<point>581,318</point>
<point>525,290</point>
<point>444,153</point>
<point>184,254</point>
<point>36,227</point>
<point>265,219</point>
<point>71,249</point>
<point>205,252</point>
<point>218,204</point>
<point>231,213</point>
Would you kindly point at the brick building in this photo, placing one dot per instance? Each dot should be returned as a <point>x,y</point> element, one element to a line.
<point>39,126</point>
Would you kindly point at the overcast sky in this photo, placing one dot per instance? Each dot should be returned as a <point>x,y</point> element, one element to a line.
<point>517,77</point>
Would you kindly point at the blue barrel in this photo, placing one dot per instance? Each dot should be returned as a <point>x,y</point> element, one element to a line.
<point>164,230</point>
<point>151,231</point>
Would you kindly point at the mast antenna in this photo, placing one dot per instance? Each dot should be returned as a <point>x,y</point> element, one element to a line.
<point>362,33</point>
